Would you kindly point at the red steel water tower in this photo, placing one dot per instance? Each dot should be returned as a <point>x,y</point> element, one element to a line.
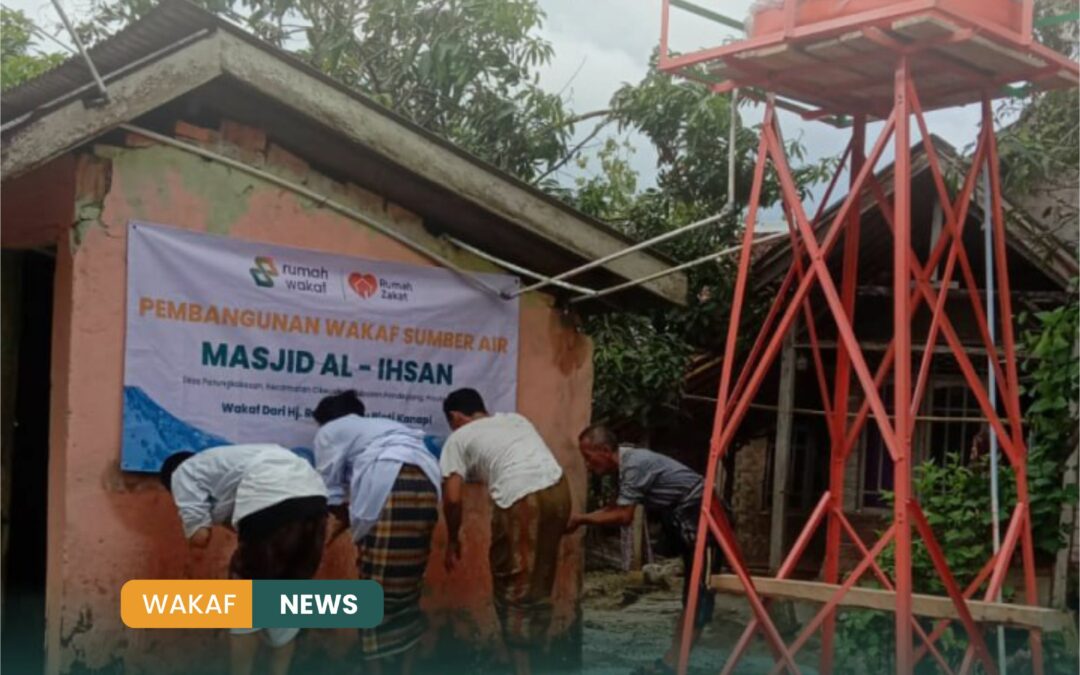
<point>887,60</point>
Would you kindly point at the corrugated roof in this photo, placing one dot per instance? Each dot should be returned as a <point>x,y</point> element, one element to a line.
<point>166,24</point>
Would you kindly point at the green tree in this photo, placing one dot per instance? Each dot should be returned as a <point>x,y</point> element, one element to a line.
<point>1040,148</point>
<point>641,357</point>
<point>464,69</point>
<point>20,56</point>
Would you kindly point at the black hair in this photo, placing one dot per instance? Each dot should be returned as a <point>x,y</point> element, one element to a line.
<point>338,405</point>
<point>170,465</point>
<point>599,434</point>
<point>465,401</point>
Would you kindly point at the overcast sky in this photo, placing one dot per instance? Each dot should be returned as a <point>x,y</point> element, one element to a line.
<point>601,44</point>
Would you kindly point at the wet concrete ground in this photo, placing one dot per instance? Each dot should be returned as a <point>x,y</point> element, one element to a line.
<point>629,622</point>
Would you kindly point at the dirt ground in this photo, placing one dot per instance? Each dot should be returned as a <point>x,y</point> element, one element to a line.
<point>629,621</point>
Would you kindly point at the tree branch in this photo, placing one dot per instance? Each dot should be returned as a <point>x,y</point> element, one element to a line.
<point>573,151</point>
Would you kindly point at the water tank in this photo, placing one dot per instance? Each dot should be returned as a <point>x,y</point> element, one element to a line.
<point>767,16</point>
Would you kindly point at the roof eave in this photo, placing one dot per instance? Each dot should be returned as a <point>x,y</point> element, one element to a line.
<point>231,53</point>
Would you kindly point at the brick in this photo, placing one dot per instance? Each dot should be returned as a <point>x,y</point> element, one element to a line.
<point>196,133</point>
<point>248,138</point>
<point>133,140</point>
<point>281,158</point>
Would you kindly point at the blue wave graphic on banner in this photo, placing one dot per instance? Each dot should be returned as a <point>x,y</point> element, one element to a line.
<point>152,433</point>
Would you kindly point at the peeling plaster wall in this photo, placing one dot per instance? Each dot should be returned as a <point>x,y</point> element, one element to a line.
<point>111,526</point>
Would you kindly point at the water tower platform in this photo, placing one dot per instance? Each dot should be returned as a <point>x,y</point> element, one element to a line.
<point>843,61</point>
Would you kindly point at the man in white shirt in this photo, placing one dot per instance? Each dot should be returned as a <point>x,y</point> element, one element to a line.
<point>391,483</point>
<point>276,503</point>
<point>531,506</point>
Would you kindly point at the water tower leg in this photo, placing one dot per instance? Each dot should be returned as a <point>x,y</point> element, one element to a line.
<point>842,383</point>
<point>902,369</point>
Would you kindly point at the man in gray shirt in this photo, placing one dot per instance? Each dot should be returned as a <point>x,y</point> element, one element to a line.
<point>664,486</point>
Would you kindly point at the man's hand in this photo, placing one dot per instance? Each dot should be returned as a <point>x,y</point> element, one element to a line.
<point>338,523</point>
<point>576,520</point>
<point>453,555</point>
<point>196,559</point>
<point>200,538</point>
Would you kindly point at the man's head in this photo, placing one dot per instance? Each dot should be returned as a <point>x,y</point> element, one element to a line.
<point>338,405</point>
<point>463,406</point>
<point>170,465</point>
<point>600,449</point>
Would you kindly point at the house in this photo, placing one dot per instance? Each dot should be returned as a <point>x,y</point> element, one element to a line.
<point>1042,263</point>
<point>209,131</point>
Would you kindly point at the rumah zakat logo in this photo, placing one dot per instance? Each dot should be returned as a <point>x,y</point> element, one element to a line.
<point>364,285</point>
<point>264,271</point>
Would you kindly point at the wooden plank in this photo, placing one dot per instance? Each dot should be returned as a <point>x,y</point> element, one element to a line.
<point>922,28</point>
<point>782,449</point>
<point>720,70</point>
<point>779,57</point>
<point>991,58</point>
<point>1060,79</point>
<point>938,607</point>
<point>1068,524</point>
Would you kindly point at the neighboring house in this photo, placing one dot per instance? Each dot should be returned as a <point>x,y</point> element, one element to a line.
<point>1042,263</point>
<point>73,179</point>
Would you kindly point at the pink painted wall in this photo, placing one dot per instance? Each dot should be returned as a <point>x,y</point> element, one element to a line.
<point>107,526</point>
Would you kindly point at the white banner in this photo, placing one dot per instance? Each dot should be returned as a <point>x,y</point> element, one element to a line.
<point>235,342</point>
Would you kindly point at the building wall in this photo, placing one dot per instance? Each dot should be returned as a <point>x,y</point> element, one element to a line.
<point>751,513</point>
<point>107,526</point>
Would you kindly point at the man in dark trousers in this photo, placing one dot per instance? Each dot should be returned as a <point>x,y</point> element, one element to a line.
<point>665,487</point>
<point>275,502</point>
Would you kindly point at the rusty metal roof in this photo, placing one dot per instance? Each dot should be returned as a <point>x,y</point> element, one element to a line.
<point>166,25</point>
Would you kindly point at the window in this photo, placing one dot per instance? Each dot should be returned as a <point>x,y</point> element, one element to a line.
<point>951,399</point>
<point>953,425</point>
<point>877,468</point>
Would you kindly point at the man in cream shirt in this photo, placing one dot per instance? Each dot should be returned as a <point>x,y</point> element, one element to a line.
<point>531,506</point>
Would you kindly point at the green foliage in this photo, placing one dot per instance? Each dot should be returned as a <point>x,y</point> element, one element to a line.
<point>1051,383</point>
<point>865,642</point>
<point>689,127</point>
<point>955,497</point>
<point>1053,379</point>
<point>611,193</point>
<point>465,69</point>
<point>1043,145</point>
<point>1040,151</point>
<point>20,58</point>
<point>638,369</point>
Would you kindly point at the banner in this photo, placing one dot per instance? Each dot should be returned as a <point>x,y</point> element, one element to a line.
<point>235,342</point>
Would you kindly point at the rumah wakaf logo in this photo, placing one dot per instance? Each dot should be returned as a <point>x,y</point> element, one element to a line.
<point>264,271</point>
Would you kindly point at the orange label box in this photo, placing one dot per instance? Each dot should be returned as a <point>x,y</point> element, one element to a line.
<point>186,603</point>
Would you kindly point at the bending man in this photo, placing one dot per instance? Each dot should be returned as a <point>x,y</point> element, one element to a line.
<point>666,487</point>
<point>531,505</point>
<point>276,503</point>
<point>392,483</point>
